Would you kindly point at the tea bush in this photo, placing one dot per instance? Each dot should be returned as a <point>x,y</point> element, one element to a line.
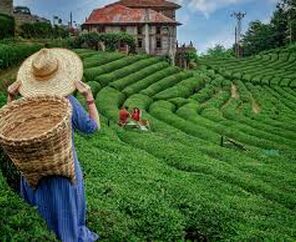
<point>217,164</point>
<point>13,54</point>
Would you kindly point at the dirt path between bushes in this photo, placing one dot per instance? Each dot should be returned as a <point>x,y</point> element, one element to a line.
<point>234,92</point>
<point>255,107</point>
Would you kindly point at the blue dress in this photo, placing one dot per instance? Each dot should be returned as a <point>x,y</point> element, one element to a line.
<point>60,203</point>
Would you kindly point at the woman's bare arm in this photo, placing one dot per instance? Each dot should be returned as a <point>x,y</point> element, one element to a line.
<point>12,91</point>
<point>85,90</point>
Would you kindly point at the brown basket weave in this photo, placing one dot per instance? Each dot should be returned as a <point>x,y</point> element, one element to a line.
<point>36,134</point>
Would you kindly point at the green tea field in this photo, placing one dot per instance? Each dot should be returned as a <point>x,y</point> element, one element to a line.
<point>218,165</point>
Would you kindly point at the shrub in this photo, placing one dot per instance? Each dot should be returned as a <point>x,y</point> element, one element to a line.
<point>183,89</point>
<point>144,83</point>
<point>7,25</point>
<point>92,74</point>
<point>110,40</point>
<point>138,100</point>
<point>12,54</point>
<point>166,83</point>
<point>109,100</point>
<point>100,58</point>
<point>138,75</point>
<point>42,30</point>
<point>19,221</point>
<point>95,87</point>
<point>125,71</point>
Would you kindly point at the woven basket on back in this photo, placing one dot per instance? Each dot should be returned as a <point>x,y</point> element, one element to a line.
<point>36,134</point>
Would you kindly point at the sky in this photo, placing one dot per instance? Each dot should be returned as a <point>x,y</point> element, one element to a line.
<point>204,22</point>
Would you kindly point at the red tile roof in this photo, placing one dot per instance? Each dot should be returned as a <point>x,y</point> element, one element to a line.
<point>119,14</point>
<point>148,3</point>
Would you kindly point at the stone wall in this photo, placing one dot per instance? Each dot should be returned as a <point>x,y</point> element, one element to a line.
<point>27,18</point>
<point>6,6</point>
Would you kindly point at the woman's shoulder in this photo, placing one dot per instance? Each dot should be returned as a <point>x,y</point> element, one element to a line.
<point>73,100</point>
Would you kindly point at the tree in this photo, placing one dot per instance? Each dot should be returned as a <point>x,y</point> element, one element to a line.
<point>110,40</point>
<point>279,32</point>
<point>7,26</point>
<point>259,37</point>
<point>279,24</point>
<point>286,15</point>
<point>219,51</point>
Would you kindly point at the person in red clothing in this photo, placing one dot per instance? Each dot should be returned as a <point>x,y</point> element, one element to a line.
<point>124,115</point>
<point>136,115</point>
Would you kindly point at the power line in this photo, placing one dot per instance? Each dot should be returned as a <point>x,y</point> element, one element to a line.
<point>238,31</point>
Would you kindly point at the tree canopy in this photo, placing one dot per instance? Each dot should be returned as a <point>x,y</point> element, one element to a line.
<point>279,32</point>
<point>219,51</point>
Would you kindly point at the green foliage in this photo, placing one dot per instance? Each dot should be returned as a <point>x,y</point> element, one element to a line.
<point>2,99</point>
<point>135,77</point>
<point>7,25</point>
<point>219,51</point>
<point>95,87</point>
<point>110,40</point>
<point>19,221</point>
<point>178,182</point>
<point>42,30</point>
<point>94,73</point>
<point>149,80</point>
<point>258,38</point>
<point>166,83</point>
<point>279,32</point>
<point>191,55</point>
<point>183,89</point>
<point>12,54</point>
<point>109,101</point>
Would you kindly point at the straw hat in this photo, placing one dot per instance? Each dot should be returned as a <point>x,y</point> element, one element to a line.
<point>50,72</point>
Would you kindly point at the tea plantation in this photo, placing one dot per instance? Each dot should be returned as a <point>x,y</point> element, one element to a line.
<point>219,164</point>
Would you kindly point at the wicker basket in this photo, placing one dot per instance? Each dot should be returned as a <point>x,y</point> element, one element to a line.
<point>36,134</point>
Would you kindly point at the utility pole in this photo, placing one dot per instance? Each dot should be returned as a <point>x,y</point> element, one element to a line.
<point>71,20</point>
<point>238,31</point>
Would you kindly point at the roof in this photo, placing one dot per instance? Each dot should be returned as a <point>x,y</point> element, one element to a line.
<point>148,4</point>
<point>119,14</point>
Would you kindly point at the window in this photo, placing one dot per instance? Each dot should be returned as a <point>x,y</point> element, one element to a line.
<point>101,29</point>
<point>140,42</point>
<point>123,29</point>
<point>140,30</point>
<point>158,43</point>
<point>122,44</point>
<point>158,30</point>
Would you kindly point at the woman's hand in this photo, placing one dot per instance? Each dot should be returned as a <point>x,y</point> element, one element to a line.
<point>13,90</point>
<point>83,88</point>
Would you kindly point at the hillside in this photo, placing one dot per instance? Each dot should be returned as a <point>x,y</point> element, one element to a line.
<point>178,182</point>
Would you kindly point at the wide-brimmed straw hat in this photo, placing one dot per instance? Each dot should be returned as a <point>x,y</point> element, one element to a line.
<point>50,72</point>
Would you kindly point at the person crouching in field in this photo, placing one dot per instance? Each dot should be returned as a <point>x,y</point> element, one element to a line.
<point>137,117</point>
<point>60,203</point>
<point>124,116</point>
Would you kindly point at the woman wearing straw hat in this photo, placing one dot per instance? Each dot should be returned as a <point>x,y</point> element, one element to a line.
<point>61,203</point>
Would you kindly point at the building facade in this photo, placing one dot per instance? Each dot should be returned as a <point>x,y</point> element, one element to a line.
<point>23,15</point>
<point>151,22</point>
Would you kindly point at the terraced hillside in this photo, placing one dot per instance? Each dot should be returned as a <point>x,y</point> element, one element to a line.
<point>276,67</point>
<point>180,181</point>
